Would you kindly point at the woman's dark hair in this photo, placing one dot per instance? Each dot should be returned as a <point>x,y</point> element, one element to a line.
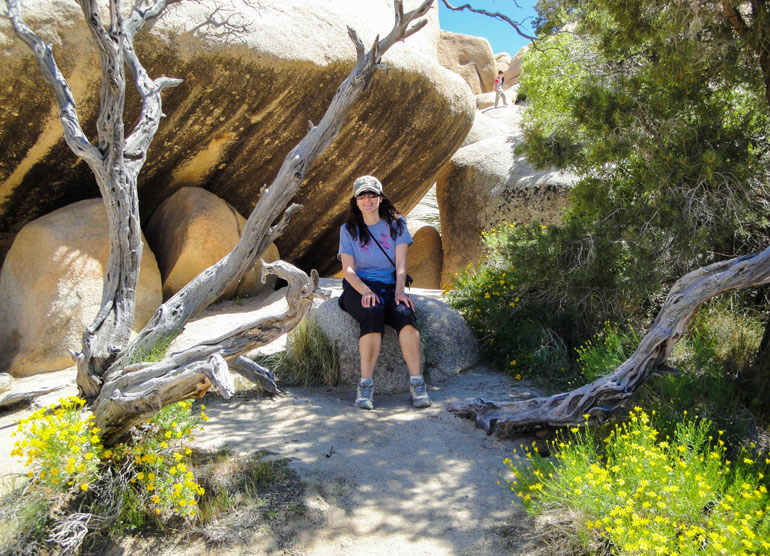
<point>355,220</point>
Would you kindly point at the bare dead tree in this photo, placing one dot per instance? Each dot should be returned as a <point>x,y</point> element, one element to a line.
<point>608,393</point>
<point>126,391</point>
<point>115,160</point>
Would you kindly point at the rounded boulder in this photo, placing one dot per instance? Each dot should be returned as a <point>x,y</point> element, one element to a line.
<point>448,345</point>
<point>192,230</point>
<point>425,258</point>
<point>486,184</point>
<point>51,287</point>
<point>470,57</point>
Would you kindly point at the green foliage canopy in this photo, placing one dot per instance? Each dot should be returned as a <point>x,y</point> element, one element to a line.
<point>661,109</point>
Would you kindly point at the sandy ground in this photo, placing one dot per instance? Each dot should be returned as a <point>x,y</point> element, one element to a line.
<point>391,481</point>
<point>388,482</point>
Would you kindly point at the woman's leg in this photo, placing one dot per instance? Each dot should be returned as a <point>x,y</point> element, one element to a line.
<point>369,349</point>
<point>409,338</point>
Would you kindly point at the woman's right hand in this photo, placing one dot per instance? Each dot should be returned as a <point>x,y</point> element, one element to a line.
<point>369,299</point>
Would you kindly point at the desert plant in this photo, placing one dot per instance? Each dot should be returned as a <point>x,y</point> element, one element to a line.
<point>310,358</point>
<point>605,350</point>
<point>636,493</point>
<point>76,486</point>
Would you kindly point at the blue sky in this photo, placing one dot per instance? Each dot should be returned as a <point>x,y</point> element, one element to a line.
<point>500,35</point>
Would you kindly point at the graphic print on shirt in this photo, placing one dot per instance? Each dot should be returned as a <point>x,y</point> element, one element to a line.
<point>385,240</point>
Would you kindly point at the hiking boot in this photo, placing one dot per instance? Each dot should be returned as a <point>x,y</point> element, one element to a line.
<point>419,392</point>
<point>364,394</point>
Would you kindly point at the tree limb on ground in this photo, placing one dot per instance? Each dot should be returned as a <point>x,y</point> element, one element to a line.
<point>608,393</point>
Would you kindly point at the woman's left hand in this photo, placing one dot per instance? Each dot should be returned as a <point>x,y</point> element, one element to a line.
<point>405,299</point>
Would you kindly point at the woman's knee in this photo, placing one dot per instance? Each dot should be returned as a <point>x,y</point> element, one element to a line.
<point>376,311</point>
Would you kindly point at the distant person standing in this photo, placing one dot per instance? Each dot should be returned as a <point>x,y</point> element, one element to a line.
<point>499,89</point>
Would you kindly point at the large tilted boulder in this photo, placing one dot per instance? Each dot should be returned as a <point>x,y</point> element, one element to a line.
<point>448,346</point>
<point>425,258</point>
<point>470,57</point>
<point>51,287</point>
<point>192,230</point>
<point>486,184</point>
<point>247,95</point>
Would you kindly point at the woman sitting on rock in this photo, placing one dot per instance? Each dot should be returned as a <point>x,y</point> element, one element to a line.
<point>373,245</point>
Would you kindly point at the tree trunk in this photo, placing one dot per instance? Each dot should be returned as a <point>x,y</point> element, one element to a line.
<point>136,392</point>
<point>606,394</point>
<point>115,162</point>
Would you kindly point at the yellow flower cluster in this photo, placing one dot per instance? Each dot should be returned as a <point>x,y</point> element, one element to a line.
<point>60,445</point>
<point>163,479</point>
<point>651,496</point>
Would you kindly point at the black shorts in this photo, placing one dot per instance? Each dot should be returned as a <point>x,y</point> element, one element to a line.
<point>374,319</point>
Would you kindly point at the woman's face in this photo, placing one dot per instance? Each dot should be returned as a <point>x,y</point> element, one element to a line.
<point>368,202</point>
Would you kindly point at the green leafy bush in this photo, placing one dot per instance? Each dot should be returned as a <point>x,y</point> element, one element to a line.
<point>720,343</point>
<point>635,493</point>
<point>161,482</point>
<point>520,326</point>
<point>605,351</point>
<point>655,111</point>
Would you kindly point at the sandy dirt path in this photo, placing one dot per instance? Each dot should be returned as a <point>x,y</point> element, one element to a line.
<point>391,481</point>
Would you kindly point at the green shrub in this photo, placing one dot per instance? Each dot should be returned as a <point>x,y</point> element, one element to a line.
<point>520,327</point>
<point>605,351</point>
<point>310,358</point>
<point>162,483</point>
<point>719,343</point>
<point>639,494</point>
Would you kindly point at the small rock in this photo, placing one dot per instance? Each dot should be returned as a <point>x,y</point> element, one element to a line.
<point>6,382</point>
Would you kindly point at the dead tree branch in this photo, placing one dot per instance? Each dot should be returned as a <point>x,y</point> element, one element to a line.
<point>610,392</point>
<point>136,392</point>
<point>73,134</point>
<point>115,163</point>
<point>517,25</point>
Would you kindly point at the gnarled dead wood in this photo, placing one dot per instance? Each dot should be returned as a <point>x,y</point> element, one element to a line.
<point>133,393</point>
<point>517,26</point>
<point>609,392</point>
<point>19,400</point>
<point>114,161</point>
